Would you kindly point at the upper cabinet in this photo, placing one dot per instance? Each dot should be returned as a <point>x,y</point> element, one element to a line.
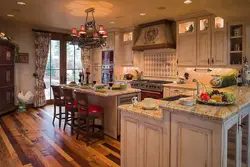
<point>110,41</point>
<point>236,44</point>
<point>186,43</point>
<point>219,42</point>
<point>128,58</point>
<point>202,42</point>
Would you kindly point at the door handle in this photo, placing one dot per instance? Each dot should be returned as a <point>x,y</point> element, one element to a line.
<point>208,61</point>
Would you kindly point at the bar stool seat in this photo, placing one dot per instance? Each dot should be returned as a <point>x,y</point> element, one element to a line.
<point>72,105</point>
<point>92,109</point>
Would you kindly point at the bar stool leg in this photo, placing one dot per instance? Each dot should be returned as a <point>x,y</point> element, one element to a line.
<point>60,116</point>
<point>72,122</point>
<point>66,119</point>
<point>78,128</point>
<point>54,115</point>
<point>102,131</point>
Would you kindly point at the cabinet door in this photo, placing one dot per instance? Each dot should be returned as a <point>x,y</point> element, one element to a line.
<point>194,142</point>
<point>187,50</point>
<point>128,53</point>
<point>203,41</point>
<point>6,55</point>
<point>153,146</point>
<point>130,142</point>
<point>166,92</point>
<point>186,42</point>
<point>111,41</point>
<point>219,42</point>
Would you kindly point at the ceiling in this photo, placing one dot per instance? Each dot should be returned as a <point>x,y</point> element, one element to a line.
<point>65,14</point>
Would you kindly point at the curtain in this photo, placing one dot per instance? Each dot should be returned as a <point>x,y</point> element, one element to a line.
<point>42,43</point>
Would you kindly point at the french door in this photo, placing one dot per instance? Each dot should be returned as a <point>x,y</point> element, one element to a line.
<point>63,64</point>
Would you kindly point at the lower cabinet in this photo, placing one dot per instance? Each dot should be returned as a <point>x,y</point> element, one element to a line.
<point>144,142</point>
<point>194,142</point>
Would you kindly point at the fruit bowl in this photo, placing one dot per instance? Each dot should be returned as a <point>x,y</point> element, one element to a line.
<point>216,97</point>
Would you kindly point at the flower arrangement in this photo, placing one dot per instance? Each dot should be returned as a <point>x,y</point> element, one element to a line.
<point>3,36</point>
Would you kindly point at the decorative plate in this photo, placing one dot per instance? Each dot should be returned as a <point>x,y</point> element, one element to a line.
<point>214,103</point>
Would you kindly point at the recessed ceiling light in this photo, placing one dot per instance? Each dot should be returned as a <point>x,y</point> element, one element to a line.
<point>161,8</point>
<point>187,1</point>
<point>112,22</point>
<point>10,15</point>
<point>21,3</point>
<point>142,14</point>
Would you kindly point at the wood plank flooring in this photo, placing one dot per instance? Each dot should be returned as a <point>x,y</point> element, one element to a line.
<point>29,139</point>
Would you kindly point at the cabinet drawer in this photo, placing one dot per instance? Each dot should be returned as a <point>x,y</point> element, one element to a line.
<point>6,75</point>
<point>6,98</point>
<point>6,55</point>
<point>178,91</point>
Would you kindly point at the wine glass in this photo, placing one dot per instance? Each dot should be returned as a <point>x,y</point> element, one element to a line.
<point>94,82</point>
<point>110,85</point>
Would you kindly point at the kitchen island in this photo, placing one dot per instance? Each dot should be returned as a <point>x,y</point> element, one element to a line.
<point>109,100</point>
<point>174,135</point>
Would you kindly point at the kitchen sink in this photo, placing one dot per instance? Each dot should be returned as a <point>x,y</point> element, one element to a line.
<point>174,98</point>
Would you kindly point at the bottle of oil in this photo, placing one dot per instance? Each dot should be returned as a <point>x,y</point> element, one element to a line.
<point>239,79</point>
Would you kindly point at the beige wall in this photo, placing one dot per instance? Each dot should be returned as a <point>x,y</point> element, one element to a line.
<point>22,35</point>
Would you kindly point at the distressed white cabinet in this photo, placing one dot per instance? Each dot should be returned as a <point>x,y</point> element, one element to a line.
<point>219,42</point>
<point>203,41</point>
<point>206,45</point>
<point>144,141</point>
<point>194,142</point>
<point>166,92</point>
<point>186,43</point>
<point>128,58</point>
<point>110,41</point>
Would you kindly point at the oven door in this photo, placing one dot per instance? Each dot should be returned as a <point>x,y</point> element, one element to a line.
<point>151,94</point>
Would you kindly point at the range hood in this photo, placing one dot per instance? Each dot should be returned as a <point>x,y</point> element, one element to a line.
<point>155,35</point>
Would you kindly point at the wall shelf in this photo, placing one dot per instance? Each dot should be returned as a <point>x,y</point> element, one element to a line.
<point>235,37</point>
<point>235,51</point>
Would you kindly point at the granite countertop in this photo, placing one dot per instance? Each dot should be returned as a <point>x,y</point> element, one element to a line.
<point>104,94</point>
<point>138,109</point>
<point>220,113</point>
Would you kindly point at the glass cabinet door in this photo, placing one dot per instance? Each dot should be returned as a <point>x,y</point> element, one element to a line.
<point>218,23</point>
<point>186,27</point>
<point>204,24</point>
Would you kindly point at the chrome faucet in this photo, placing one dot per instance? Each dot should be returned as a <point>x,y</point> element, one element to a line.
<point>198,86</point>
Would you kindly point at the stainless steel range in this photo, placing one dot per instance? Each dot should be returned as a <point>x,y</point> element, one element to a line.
<point>150,88</point>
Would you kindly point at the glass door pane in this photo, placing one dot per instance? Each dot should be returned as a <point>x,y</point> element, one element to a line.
<point>52,73</point>
<point>74,63</point>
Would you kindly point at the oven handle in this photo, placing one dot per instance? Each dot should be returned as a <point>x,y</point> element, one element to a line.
<point>146,91</point>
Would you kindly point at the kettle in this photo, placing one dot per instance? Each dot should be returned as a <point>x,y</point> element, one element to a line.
<point>128,76</point>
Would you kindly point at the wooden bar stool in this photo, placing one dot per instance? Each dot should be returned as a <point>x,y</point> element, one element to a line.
<point>70,108</point>
<point>87,114</point>
<point>58,102</point>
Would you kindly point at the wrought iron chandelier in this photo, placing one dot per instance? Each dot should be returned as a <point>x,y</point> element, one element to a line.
<point>89,36</point>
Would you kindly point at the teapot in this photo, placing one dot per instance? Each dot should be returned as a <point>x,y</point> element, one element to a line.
<point>134,100</point>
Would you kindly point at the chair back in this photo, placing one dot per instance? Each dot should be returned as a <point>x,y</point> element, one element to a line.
<point>68,95</point>
<point>82,99</point>
<point>57,92</point>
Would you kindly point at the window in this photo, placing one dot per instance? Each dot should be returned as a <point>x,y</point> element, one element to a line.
<point>74,63</point>
<point>52,73</point>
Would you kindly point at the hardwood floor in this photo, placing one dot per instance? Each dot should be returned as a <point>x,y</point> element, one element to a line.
<point>29,139</point>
